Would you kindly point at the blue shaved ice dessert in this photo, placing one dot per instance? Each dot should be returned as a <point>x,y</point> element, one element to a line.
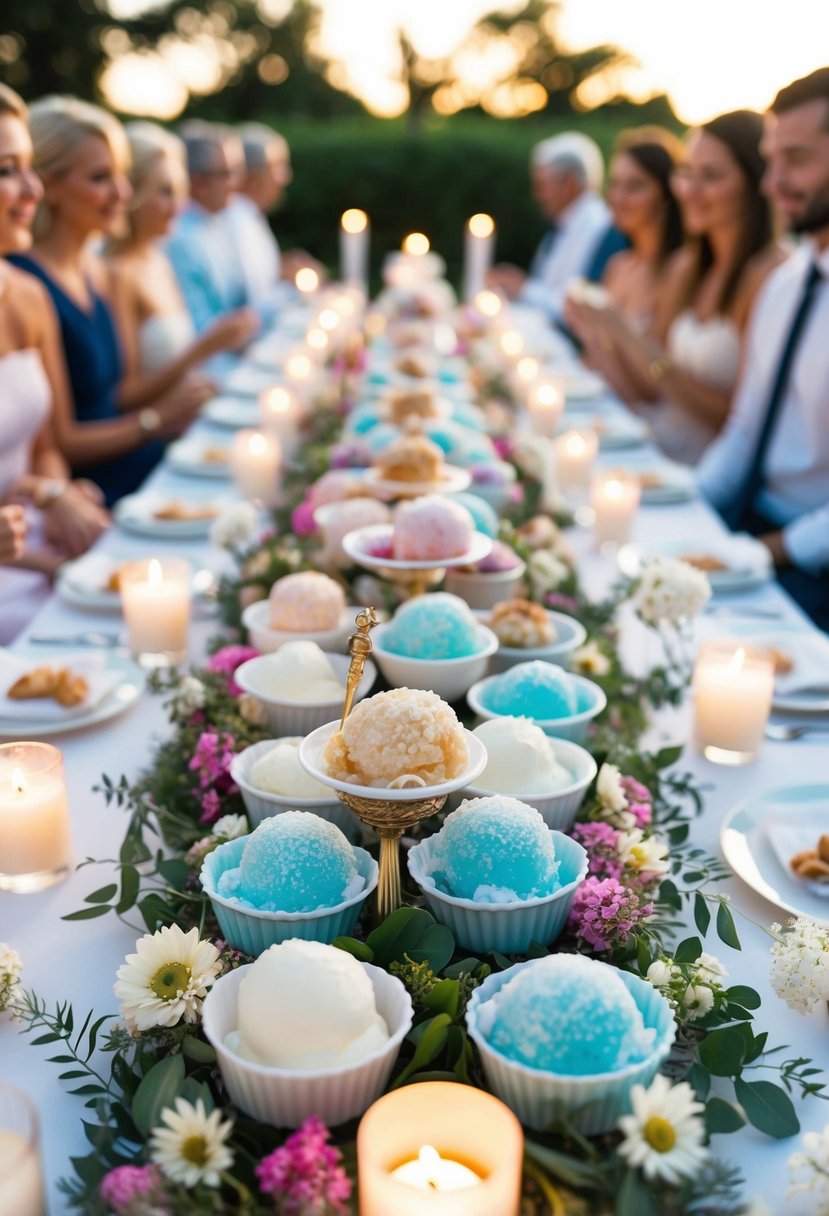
<point>495,850</point>
<point>294,862</point>
<point>436,626</point>
<point>534,690</point>
<point>482,513</point>
<point>569,1015</point>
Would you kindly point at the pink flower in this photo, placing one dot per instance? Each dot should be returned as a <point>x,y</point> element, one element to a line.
<point>602,844</point>
<point>306,1173</point>
<point>640,801</point>
<point>211,761</point>
<point>302,519</point>
<point>225,661</point>
<point>557,599</point>
<point>604,913</point>
<point>122,1187</point>
<point>503,446</point>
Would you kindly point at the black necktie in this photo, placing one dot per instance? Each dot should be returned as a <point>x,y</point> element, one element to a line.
<point>742,502</point>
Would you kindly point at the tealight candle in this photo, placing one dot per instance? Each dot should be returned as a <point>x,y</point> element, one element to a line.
<point>416,244</point>
<point>545,405</point>
<point>307,281</point>
<point>354,242</point>
<point>479,246</point>
<point>575,452</point>
<point>439,1149</point>
<point>279,415</point>
<point>155,600</point>
<point>34,824</point>
<point>21,1178</point>
<point>488,304</point>
<point>511,343</point>
<point>255,462</point>
<point>615,500</point>
<point>732,691</point>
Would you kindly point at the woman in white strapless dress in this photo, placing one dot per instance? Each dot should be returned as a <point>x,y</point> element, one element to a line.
<point>158,337</point>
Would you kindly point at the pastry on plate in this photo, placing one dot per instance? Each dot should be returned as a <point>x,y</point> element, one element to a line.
<point>707,562</point>
<point>782,661</point>
<point>177,511</point>
<point>813,864</point>
<point>214,455</point>
<point>66,687</point>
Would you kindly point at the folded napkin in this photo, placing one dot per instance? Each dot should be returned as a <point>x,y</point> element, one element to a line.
<point>93,667</point>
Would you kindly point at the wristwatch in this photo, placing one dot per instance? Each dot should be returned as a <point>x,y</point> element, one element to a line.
<point>48,492</point>
<point>149,420</point>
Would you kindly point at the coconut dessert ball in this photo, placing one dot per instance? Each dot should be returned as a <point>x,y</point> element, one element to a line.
<point>437,626</point>
<point>483,516</point>
<point>431,527</point>
<point>520,758</point>
<point>307,602</point>
<point>521,624</point>
<point>406,736</point>
<point>533,690</point>
<point>569,1015</point>
<point>280,772</point>
<point>495,850</point>
<point>294,862</point>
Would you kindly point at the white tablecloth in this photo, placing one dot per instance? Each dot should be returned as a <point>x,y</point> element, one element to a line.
<point>77,961</point>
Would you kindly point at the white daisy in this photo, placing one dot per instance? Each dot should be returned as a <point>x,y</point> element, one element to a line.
<point>236,525</point>
<point>590,660</point>
<point>231,827</point>
<point>664,1134</point>
<point>709,970</point>
<point>609,788</point>
<point>661,973</point>
<point>167,979</point>
<point>189,1147</point>
<point>645,854</point>
<point>697,999</point>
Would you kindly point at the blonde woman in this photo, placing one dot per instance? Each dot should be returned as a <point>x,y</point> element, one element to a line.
<point>108,434</point>
<point>154,325</point>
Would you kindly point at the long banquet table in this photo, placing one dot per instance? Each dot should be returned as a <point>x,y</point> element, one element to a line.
<point>77,961</point>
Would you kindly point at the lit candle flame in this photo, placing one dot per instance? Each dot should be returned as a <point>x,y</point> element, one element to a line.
<point>155,575</point>
<point>488,303</point>
<point>278,400</point>
<point>613,488</point>
<point>298,367</point>
<point>576,444</point>
<point>481,224</point>
<point>735,664</point>
<point>317,338</point>
<point>416,243</point>
<point>527,369</point>
<point>19,781</point>
<point>547,394</point>
<point>307,280</point>
<point>257,444</point>
<point>328,319</point>
<point>354,220</point>
<point>512,343</point>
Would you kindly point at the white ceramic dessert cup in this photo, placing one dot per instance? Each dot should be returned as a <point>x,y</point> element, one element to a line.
<point>569,635</point>
<point>558,809</point>
<point>264,637</point>
<point>284,1097</point>
<point>482,590</point>
<point>591,1104</point>
<point>591,700</point>
<point>253,931</point>
<point>508,927</point>
<point>260,804</point>
<point>286,717</point>
<point>449,678</point>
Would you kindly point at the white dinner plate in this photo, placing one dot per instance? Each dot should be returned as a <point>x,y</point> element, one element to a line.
<point>746,562</point>
<point>232,412</point>
<point>617,430</point>
<point>451,481</point>
<point>192,457</point>
<point>247,381</point>
<point>582,385</point>
<point>747,837</point>
<point>361,543</point>
<point>673,483</point>
<point>120,698</point>
<point>136,513</point>
<point>83,583</point>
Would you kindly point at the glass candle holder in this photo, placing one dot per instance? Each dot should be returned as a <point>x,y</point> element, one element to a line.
<point>21,1176</point>
<point>732,691</point>
<point>255,464</point>
<point>155,600</point>
<point>575,454</point>
<point>614,499</point>
<point>545,406</point>
<point>35,843</point>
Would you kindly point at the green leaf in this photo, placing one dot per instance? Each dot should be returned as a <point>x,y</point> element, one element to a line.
<point>633,1197</point>
<point>726,929</point>
<point>667,756</point>
<point>174,871</point>
<point>360,950</point>
<point>669,895</point>
<point>198,1050</point>
<point>700,1079</point>
<point>688,951</point>
<point>768,1107</point>
<point>46,1038</point>
<point>445,997</point>
<point>722,1117</point>
<point>103,895</point>
<point>741,995</point>
<point>702,913</point>
<point>157,1091</point>
<point>413,932</point>
<point>570,1170</point>
<point>431,1042</point>
<point>722,1052</point>
<point>88,913</point>
<point>130,886</point>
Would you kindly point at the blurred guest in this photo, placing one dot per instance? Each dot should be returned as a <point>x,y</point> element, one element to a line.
<point>155,328</point>
<point>566,174</point>
<point>81,156</point>
<point>687,367</point>
<point>63,518</point>
<point>645,210</point>
<point>768,472</point>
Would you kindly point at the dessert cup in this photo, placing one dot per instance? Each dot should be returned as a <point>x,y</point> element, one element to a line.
<point>485,590</point>
<point>591,700</point>
<point>558,809</point>
<point>286,717</point>
<point>569,635</point>
<point>449,678</point>
<point>260,804</point>
<point>267,639</point>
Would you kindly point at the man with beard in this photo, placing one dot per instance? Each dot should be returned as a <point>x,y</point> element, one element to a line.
<point>768,472</point>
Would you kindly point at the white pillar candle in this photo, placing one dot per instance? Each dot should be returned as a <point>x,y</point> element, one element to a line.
<point>307,281</point>
<point>354,246</point>
<point>732,691</point>
<point>279,415</point>
<point>21,1177</point>
<point>479,247</point>
<point>301,376</point>
<point>155,600</point>
<point>416,244</point>
<point>614,498</point>
<point>439,1149</point>
<point>35,844</point>
<point>545,405</point>
<point>575,453</point>
<point>255,462</point>
<point>511,344</point>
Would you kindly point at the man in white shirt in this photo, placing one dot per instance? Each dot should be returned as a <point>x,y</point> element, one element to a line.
<point>267,173</point>
<point>768,472</point>
<point>566,173</point>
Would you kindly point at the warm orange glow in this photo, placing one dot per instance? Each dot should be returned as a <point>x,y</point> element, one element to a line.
<point>257,444</point>
<point>307,280</point>
<point>278,401</point>
<point>155,575</point>
<point>416,243</point>
<point>526,369</point>
<point>328,319</point>
<point>354,220</point>
<point>488,303</point>
<point>481,225</point>
<point>19,781</point>
<point>512,343</point>
<point>317,338</point>
<point>298,367</point>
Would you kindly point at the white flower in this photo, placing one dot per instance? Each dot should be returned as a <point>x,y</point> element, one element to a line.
<point>189,1145</point>
<point>609,788</point>
<point>167,979</point>
<point>189,696</point>
<point>670,592</point>
<point>530,456</point>
<point>646,854</point>
<point>800,965</point>
<point>590,660</point>
<point>11,967</point>
<point>697,999</point>
<point>664,1134</point>
<point>661,973</point>
<point>236,524</point>
<point>709,970</point>
<point>815,1162</point>
<point>251,709</point>
<point>546,571</point>
<point>231,827</point>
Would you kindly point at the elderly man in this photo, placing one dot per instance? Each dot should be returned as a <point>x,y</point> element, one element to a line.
<point>768,471</point>
<point>566,174</point>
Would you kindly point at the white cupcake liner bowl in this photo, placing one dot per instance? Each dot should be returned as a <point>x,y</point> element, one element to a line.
<point>574,727</point>
<point>592,1104</point>
<point>253,931</point>
<point>485,590</point>
<point>569,635</point>
<point>507,927</point>
<point>286,717</point>
<point>449,678</point>
<point>559,808</point>
<point>264,637</point>
<point>260,804</point>
<point>284,1097</point>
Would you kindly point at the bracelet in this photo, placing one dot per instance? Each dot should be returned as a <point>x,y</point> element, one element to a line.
<point>149,421</point>
<point>659,368</point>
<point>48,493</point>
